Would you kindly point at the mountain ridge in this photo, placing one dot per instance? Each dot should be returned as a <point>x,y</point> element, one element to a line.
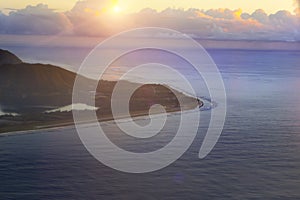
<point>30,90</point>
<point>7,57</point>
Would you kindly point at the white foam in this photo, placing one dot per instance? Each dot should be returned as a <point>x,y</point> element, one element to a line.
<point>76,106</point>
<point>7,114</point>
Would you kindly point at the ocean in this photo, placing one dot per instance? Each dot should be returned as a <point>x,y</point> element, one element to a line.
<point>256,157</point>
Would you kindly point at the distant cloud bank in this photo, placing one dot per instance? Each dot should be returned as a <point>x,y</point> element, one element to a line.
<point>87,19</point>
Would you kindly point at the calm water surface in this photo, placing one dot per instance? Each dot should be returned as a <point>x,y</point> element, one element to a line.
<point>257,156</point>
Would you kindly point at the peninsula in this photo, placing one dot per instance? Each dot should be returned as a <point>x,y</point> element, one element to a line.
<point>33,96</point>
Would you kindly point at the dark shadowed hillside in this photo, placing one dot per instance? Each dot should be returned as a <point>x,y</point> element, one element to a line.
<point>32,89</point>
<point>25,85</point>
<point>7,57</point>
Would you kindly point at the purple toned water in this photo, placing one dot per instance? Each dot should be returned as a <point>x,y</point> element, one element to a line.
<point>257,156</point>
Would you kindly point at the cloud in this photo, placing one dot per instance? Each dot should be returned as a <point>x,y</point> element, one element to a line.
<point>224,23</point>
<point>37,19</point>
<point>224,13</point>
<point>96,18</point>
<point>260,16</point>
<point>93,6</point>
<point>2,21</point>
<point>297,5</point>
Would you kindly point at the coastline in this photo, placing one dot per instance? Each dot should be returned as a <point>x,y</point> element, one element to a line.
<point>43,86</point>
<point>57,126</point>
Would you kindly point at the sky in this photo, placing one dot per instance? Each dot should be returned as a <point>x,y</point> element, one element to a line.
<point>204,19</point>
<point>270,6</point>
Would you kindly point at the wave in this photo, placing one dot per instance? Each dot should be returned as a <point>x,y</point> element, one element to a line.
<point>8,114</point>
<point>76,106</point>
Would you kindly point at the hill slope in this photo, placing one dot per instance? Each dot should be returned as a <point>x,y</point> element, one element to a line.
<point>7,57</point>
<point>31,88</point>
<point>25,85</point>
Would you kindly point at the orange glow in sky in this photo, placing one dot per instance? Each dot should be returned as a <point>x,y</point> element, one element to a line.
<point>270,6</point>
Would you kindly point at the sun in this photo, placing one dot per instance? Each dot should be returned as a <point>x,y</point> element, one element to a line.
<point>116,9</point>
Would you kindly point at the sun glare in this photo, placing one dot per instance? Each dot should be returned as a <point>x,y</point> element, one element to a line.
<point>116,9</point>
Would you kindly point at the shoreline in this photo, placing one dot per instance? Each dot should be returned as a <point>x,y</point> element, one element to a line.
<point>42,85</point>
<point>56,126</point>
